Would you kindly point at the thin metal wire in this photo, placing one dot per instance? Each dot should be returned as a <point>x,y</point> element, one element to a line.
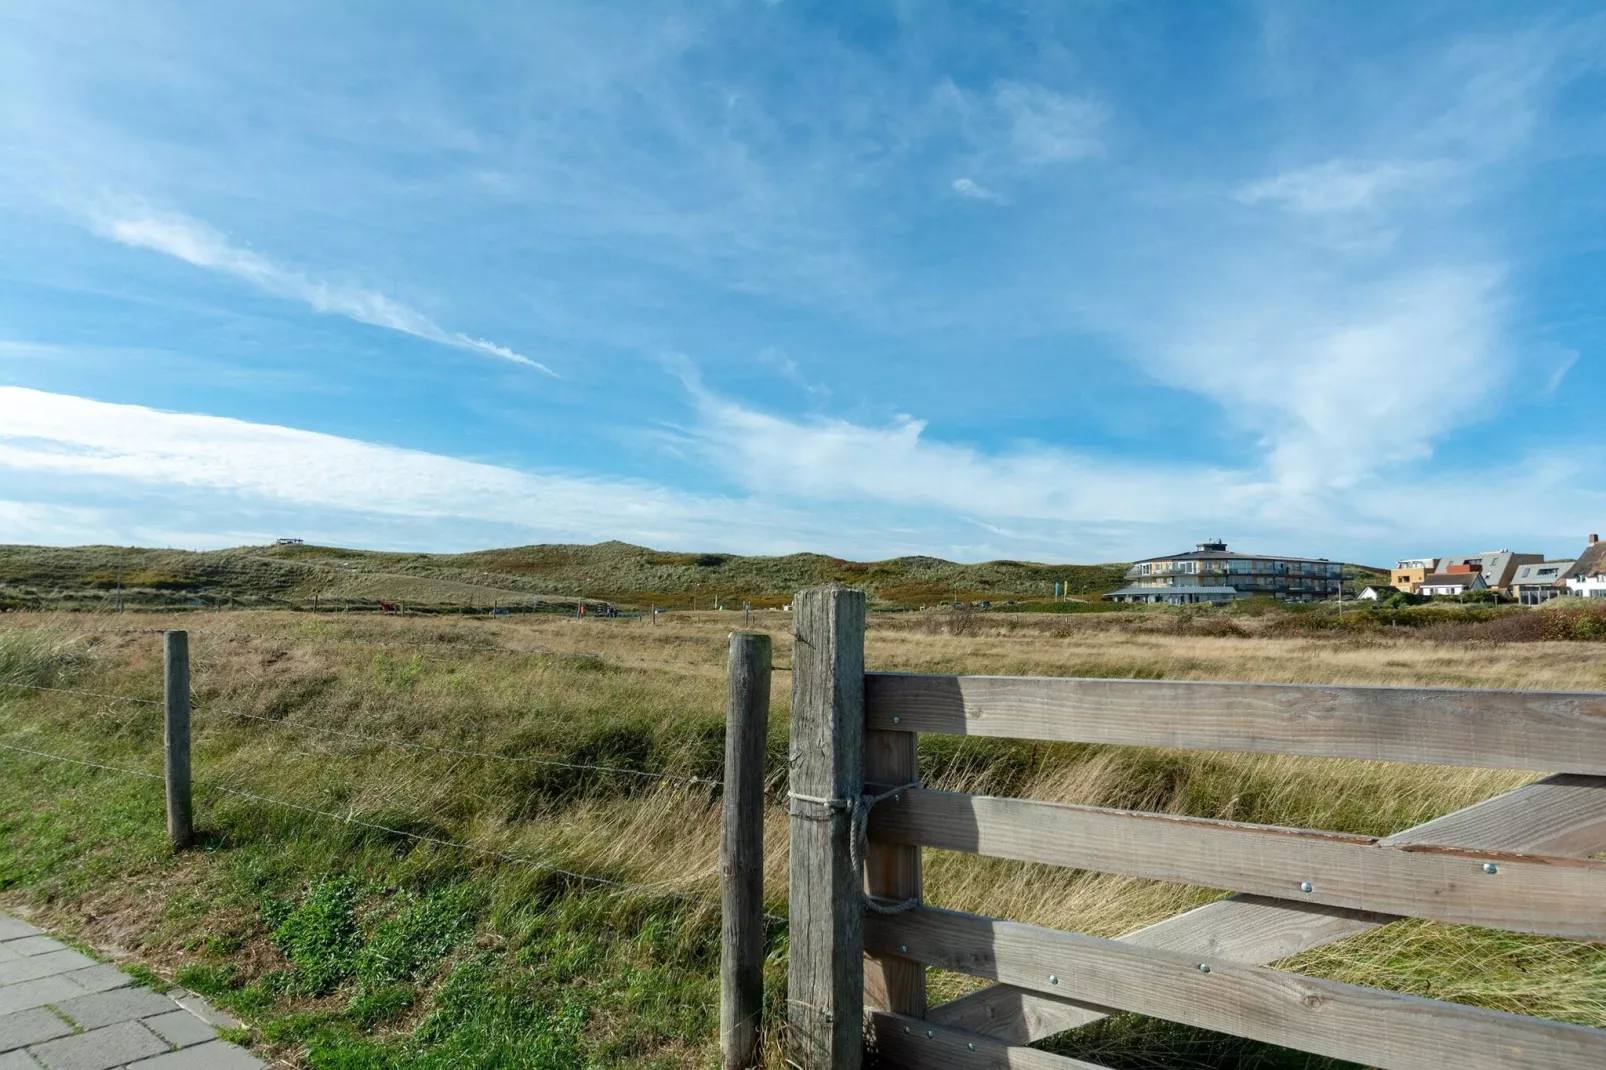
<point>220,633</point>
<point>434,840</point>
<point>620,770</point>
<point>85,694</point>
<point>80,761</point>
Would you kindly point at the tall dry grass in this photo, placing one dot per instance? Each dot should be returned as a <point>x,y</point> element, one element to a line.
<point>650,696</point>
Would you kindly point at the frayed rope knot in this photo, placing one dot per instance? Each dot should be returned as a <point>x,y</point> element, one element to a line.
<point>858,811</point>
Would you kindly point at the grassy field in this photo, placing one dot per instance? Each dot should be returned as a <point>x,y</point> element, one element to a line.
<point>87,577</point>
<point>362,939</point>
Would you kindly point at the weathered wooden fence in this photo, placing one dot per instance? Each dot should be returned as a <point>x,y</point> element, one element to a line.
<point>861,940</point>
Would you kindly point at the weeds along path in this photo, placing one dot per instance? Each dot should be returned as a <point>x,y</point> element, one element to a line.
<point>493,841</point>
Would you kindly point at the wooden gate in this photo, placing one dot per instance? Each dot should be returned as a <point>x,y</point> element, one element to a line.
<point>860,945</point>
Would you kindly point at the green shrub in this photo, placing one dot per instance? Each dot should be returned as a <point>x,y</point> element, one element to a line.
<point>320,937</point>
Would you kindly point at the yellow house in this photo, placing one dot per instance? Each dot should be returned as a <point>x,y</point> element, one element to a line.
<point>1407,574</point>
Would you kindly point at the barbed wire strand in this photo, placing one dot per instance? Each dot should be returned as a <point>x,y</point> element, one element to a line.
<point>419,644</point>
<point>348,819</point>
<point>614,769</point>
<point>84,694</point>
<point>80,761</point>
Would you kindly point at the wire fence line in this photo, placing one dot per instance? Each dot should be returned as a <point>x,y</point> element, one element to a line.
<point>613,770</point>
<point>84,694</point>
<point>349,819</point>
<point>414,645</point>
<point>643,774</point>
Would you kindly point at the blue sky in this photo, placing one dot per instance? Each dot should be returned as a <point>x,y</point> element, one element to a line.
<point>1050,281</point>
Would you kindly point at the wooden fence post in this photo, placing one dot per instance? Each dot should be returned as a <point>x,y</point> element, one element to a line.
<point>825,976</point>
<point>176,738</point>
<point>741,985</point>
<point>892,872</point>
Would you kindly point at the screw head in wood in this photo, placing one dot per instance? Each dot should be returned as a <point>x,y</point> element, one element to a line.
<point>896,719</point>
<point>972,1046</point>
<point>930,1034</point>
<point>1490,867</point>
<point>1204,967</point>
<point>1053,980</point>
<point>1306,887</point>
<point>903,949</point>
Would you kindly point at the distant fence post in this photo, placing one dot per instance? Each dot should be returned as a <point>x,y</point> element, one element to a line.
<point>825,976</point>
<point>176,738</point>
<point>747,717</point>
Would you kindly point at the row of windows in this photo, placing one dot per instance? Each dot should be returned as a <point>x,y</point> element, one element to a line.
<point>1245,583</point>
<point>1237,567</point>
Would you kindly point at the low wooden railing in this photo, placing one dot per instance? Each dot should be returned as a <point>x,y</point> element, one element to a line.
<point>860,947</point>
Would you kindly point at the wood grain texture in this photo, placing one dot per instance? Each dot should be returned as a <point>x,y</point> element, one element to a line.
<point>1562,814</point>
<point>1364,1025</point>
<point>895,1041</point>
<point>892,872</point>
<point>176,738</point>
<point>825,971</point>
<point>741,870</point>
<point>1550,731</point>
<point>1546,894</point>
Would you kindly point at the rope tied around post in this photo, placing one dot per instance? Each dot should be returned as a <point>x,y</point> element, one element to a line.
<point>858,811</point>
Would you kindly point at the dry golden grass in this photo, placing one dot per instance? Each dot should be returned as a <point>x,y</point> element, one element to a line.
<point>655,699</point>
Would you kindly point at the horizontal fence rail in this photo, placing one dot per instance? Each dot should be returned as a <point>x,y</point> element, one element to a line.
<point>1548,731</point>
<point>1364,1025</point>
<point>1548,894</point>
<point>1520,862</point>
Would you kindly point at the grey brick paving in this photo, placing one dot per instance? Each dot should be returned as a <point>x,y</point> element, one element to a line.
<point>214,1056</point>
<point>62,1010</point>
<point>38,993</point>
<point>28,969</point>
<point>180,1028</point>
<point>30,1027</point>
<point>121,1005</point>
<point>101,978</point>
<point>15,928</point>
<point>100,1049</point>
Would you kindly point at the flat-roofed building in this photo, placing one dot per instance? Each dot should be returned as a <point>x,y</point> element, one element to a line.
<point>1212,574</point>
<point>1406,574</point>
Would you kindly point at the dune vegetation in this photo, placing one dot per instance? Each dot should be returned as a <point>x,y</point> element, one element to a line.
<point>529,878</point>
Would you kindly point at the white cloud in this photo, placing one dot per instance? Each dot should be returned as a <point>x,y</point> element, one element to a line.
<point>1342,384</point>
<point>1048,127</point>
<point>974,190</point>
<point>130,451</point>
<point>1338,186</point>
<point>1021,125</point>
<point>197,243</point>
<point>79,471</point>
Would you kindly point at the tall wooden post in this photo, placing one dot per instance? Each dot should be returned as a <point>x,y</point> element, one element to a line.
<point>176,738</point>
<point>825,976</point>
<point>747,718</point>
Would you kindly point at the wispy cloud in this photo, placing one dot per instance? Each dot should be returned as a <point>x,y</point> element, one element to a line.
<point>968,187</point>
<point>1338,185</point>
<point>199,244</point>
<point>1049,127</point>
<point>1015,126</point>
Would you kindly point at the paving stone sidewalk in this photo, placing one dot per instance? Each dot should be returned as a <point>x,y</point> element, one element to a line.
<point>61,1010</point>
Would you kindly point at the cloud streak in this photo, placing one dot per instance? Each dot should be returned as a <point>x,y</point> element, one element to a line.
<point>970,188</point>
<point>197,243</point>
